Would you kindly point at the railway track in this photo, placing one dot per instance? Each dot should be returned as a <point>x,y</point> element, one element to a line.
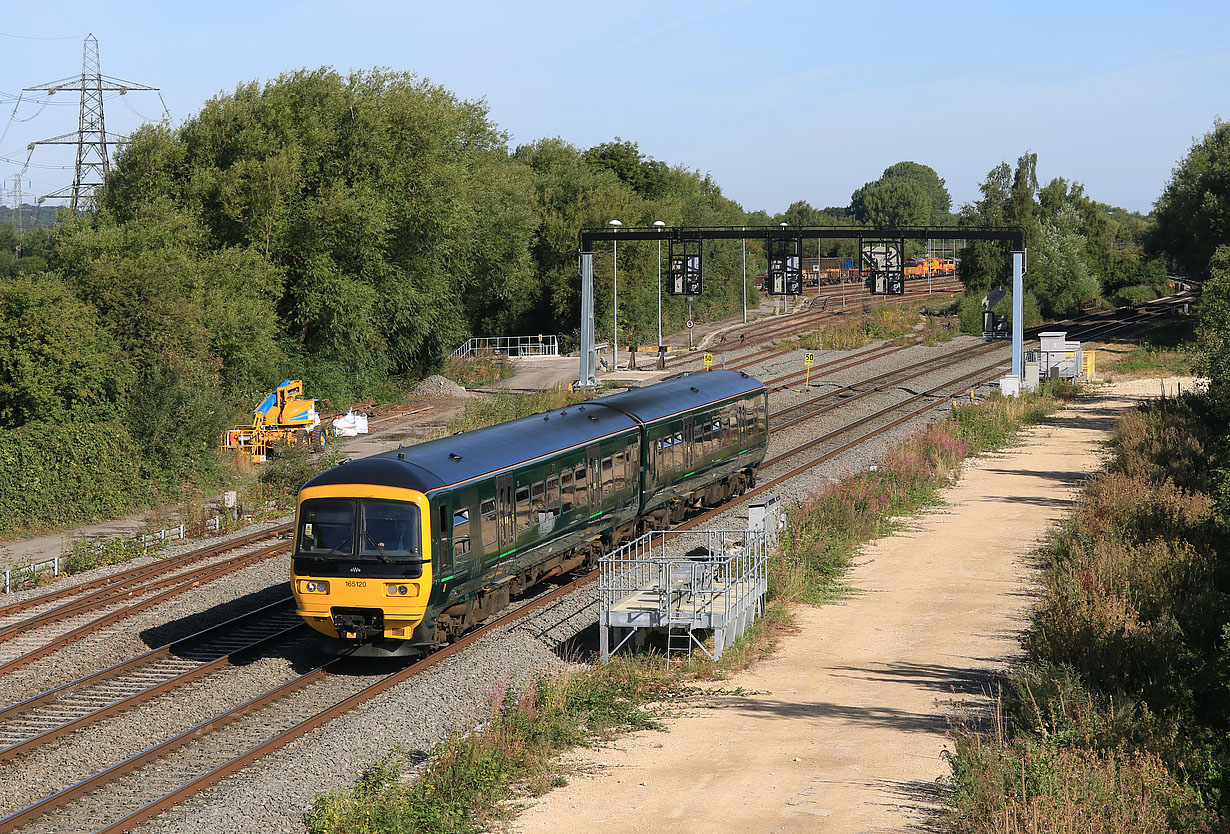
<point>134,790</point>
<point>769,329</point>
<point>55,713</point>
<point>51,629</point>
<point>131,577</point>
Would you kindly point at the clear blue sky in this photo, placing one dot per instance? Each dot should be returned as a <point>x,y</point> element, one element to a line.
<point>779,101</point>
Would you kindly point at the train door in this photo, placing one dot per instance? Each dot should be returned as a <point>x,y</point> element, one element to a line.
<point>594,455</point>
<point>442,562</point>
<point>504,511</point>
<point>689,458</point>
<point>463,532</point>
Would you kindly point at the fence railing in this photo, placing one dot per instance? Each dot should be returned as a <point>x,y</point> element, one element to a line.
<point>540,345</point>
<point>34,569</point>
<point>714,581</point>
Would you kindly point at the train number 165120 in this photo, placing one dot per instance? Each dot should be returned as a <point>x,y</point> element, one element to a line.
<point>355,583</point>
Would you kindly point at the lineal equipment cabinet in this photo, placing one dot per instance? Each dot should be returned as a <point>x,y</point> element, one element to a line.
<point>1057,357</point>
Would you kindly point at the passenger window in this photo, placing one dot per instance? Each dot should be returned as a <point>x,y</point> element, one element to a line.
<point>489,524</point>
<point>523,509</point>
<point>608,475</point>
<point>461,531</point>
<point>620,479</point>
<point>553,500</point>
<point>539,499</point>
<point>581,485</point>
<point>567,496</point>
<point>677,451</point>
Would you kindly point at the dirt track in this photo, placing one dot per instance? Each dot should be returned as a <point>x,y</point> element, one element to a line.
<point>843,729</point>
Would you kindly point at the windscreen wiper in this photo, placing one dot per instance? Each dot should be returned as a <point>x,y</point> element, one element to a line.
<point>379,551</point>
<point>337,551</point>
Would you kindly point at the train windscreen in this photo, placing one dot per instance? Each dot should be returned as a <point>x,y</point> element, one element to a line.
<point>359,529</point>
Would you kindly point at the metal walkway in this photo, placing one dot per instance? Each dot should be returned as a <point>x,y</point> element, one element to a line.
<point>698,583</point>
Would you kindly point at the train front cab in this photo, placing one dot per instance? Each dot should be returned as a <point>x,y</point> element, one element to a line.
<point>361,567</point>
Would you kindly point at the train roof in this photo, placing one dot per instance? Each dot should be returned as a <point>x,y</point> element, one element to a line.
<point>462,457</point>
<point>666,399</point>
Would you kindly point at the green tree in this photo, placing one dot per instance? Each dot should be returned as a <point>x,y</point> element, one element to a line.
<point>389,208</point>
<point>895,204</point>
<point>1058,275</point>
<point>984,264</point>
<point>1193,213</point>
<point>907,193</point>
<point>645,176</point>
<point>1213,332</point>
<point>56,363</point>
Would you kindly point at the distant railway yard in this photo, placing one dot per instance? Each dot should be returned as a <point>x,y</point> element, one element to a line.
<point>181,693</point>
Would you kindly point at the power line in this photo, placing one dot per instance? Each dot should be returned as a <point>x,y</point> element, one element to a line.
<point>34,38</point>
<point>26,163</point>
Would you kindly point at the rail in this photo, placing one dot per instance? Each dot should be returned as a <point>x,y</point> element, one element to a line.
<point>481,346</point>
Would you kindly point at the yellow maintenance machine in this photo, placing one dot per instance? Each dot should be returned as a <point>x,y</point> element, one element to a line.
<point>283,418</point>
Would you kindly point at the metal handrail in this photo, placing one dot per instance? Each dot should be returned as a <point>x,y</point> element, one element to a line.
<point>540,345</point>
<point>642,566</point>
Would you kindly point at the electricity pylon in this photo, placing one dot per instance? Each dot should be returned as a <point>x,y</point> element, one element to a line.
<point>91,137</point>
<point>18,221</point>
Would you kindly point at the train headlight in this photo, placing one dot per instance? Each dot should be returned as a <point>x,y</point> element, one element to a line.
<point>401,590</point>
<point>314,586</point>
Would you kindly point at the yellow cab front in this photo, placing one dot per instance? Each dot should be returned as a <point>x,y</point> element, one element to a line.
<point>361,567</point>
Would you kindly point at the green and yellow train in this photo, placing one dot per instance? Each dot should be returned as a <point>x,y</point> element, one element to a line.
<point>406,550</point>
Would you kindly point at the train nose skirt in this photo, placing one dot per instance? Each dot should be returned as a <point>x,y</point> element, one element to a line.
<point>360,624</point>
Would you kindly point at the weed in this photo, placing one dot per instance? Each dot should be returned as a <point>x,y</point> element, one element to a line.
<point>477,371</point>
<point>86,554</point>
<point>874,324</point>
<point>502,407</point>
<point>471,776</point>
<point>1117,719</point>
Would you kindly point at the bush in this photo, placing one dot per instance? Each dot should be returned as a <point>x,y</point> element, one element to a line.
<point>1126,678</point>
<point>477,371</point>
<point>57,475</point>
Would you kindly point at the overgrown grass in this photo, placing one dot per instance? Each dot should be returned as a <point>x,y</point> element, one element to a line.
<point>476,371</point>
<point>928,322</point>
<point>997,422</point>
<point>501,407</point>
<point>1164,350</point>
<point>1118,719</point>
<point>471,776</point>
